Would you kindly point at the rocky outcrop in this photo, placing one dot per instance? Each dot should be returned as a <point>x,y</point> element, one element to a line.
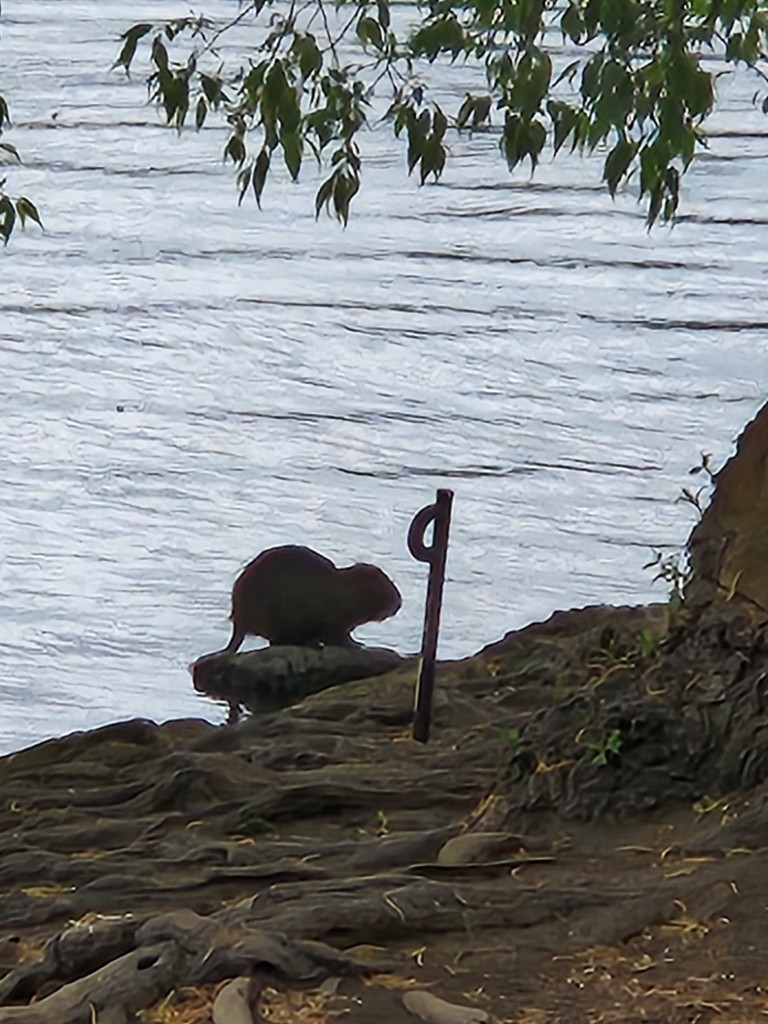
<point>728,548</point>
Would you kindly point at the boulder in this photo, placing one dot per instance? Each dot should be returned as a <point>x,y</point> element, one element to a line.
<point>728,548</point>
<point>278,676</point>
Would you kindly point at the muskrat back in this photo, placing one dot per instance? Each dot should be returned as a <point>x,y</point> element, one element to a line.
<point>294,595</point>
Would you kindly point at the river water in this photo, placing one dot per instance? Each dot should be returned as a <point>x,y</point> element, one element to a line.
<point>184,382</point>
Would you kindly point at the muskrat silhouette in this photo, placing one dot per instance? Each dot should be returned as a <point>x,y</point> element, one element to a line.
<point>294,595</point>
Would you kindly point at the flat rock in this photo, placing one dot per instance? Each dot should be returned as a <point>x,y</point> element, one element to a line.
<point>437,1011</point>
<point>277,677</point>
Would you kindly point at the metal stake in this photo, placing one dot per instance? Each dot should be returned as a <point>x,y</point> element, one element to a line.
<point>439,517</point>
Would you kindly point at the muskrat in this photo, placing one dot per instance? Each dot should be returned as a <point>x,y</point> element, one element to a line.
<point>293,595</point>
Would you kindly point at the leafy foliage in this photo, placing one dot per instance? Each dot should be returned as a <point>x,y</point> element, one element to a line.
<point>630,78</point>
<point>12,210</point>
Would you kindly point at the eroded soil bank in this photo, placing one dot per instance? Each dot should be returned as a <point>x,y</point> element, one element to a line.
<point>583,839</point>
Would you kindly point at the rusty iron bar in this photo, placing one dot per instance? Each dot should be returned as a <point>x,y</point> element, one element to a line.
<point>438,516</point>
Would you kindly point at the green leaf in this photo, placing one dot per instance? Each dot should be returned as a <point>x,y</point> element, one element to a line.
<point>307,54</point>
<point>369,32</point>
<point>510,140</point>
<point>733,47</point>
<point>324,196</point>
<point>279,99</point>
<point>531,82</point>
<point>201,111</point>
<point>7,218</point>
<point>27,210</point>
<point>275,86</point>
<point>592,12</point>
<point>654,206</point>
<point>535,137</point>
<point>522,138</point>
<point>650,175</point>
<point>243,181</point>
<point>700,94</point>
<point>6,147</point>
<point>615,95</point>
<point>445,35</point>
<point>466,111</point>
<point>180,94</point>
<point>382,7</point>
<point>401,114</point>
<point>130,42</point>
<point>439,124</point>
<point>289,111</point>
<point>159,54</point>
<point>475,109</point>
<point>345,189</point>
<point>564,120</point>
<point>482,110</point>
<point>253,83</point>
<point>172,90</point>
<point>432,159</point>
<point>212,89</point>
<point>672,189</point>
<point>260,169</point>
<point>235,149</point>
<point>541,76</point>
<point>418,129</point>
<point>617,162</point>
<point>590,77</point>
<point>292,152</point>
<point>572,24</point>
<point>687,145</point>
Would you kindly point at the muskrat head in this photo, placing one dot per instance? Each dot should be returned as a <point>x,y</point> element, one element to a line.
<point>372,594</point>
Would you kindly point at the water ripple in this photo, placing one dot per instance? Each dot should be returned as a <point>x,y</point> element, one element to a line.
<point>185,381</point>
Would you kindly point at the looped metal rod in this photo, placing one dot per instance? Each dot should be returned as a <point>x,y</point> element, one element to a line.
<point>438,516</point>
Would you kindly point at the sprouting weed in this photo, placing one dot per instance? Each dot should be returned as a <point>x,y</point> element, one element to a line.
<point>647,643</point>
<point>513,739</point>
<point>608,744</point>
<point>673,568</point>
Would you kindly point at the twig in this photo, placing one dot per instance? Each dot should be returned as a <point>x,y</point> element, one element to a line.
<point>225,28</point>
<point>331,44</point>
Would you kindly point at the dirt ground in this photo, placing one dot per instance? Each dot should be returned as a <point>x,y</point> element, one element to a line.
<point>321,853</point>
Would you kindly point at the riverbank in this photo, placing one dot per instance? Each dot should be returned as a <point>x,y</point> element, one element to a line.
<point>334,865</point>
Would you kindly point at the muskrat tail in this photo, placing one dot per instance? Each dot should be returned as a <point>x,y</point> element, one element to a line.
<point>236,640</point>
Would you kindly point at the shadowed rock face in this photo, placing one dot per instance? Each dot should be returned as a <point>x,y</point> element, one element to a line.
<point>729,548</point>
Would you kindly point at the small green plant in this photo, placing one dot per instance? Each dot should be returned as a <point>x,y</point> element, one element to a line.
<point>647,643</point>
<point>672,566</point>
<point>513,739</point>
<point>694,498</point>
<point>610,744</point>
<point>704,466</point>
<point>610,648</point>
<point>248,824</point>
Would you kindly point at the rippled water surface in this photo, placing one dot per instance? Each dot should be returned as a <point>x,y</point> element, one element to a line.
<point>183,383</point>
